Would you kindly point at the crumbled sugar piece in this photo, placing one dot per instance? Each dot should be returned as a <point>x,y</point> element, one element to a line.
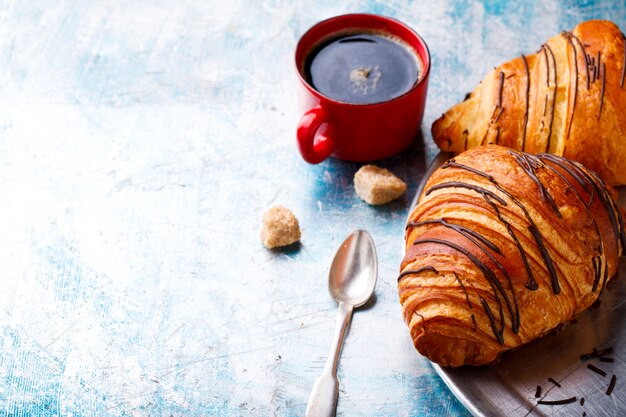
<point>280,227</point>
<point>377,185</point>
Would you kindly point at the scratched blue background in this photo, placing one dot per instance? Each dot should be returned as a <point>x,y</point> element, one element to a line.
<point>140,142</point>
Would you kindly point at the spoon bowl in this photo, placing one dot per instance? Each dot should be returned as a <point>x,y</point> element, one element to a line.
<point>353,274</point>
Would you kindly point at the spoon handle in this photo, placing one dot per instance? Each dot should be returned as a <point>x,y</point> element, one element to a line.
<point>323,399</point>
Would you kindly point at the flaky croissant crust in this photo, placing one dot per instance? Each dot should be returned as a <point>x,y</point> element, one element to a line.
<point>568,99</point>
<point>503,247</point>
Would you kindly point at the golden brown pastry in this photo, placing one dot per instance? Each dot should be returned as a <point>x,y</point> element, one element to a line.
<point>568,99</point>
<point>503,247</point>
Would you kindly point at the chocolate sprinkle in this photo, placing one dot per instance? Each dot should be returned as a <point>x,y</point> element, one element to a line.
<point>538,391</point>
<point>582,401</point>
<point>596,370</point>
<point>596,353</point>
<point>607,360</point>
<point>558,402</point>
<point>554,382</point>
<point>609,390</point>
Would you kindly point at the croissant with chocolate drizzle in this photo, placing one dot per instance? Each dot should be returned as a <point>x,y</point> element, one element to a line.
<point>503,247</point>
<point>568,99</point>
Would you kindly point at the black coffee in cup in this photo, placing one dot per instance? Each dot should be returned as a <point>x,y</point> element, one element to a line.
<point>362,68</point>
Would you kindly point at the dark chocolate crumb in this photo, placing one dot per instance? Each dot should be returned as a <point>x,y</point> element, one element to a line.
<point>609,390</point>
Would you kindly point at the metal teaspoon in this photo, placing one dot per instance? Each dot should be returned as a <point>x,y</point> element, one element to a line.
<point>351,282</point>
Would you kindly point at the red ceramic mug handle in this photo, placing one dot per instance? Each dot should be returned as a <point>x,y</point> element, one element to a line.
<point>314,151</point>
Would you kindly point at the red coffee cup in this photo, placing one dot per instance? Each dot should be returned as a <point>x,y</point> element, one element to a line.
<point>358,132</point>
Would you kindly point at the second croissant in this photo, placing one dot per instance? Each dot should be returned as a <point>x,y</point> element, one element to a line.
<point>567,99</point>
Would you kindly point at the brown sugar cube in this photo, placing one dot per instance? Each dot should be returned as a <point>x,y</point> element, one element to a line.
<point>377,185</point>
<point>280,227</point>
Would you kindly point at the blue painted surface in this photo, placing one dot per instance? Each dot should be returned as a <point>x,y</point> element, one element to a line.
<point>140,143</point>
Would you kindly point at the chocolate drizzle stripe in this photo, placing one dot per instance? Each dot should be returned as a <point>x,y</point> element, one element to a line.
<point>469,303</point>
<point>597,272</point>
<point>499,114</point>
<point>605,278</point>
<point>545,54</point>
<point>491,278</point>
<point>569,126</point>
<point>571,169</point>
<point>584,55</point>
<point>554,96</point>
<point>603,72</point>
<point>529,164</point>
<point>482,142</point>
<point>597,75</point>
<point>452,163</point>
<point>492,321</point>
<point>556,288</point>
<point>467,232</point>
<point>457,184</point>
<point>417,271</point>
<point>621,81</point>
<point>499,104</point>
<point>527,101</point>
<point>567,167</point>
<point>607,202</point>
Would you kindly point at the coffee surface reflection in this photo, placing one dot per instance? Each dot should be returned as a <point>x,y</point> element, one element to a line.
<point>362,68</point>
